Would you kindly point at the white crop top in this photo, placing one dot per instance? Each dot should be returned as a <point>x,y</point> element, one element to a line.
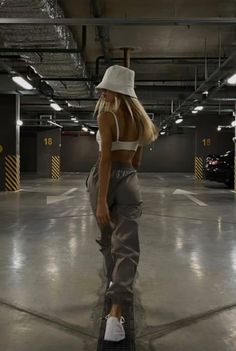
<point>118,145</point>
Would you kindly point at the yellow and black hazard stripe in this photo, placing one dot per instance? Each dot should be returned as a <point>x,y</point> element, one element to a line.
<point>12,172</point>
<point>235,173</point>
<point>198,168</point>
<point>56,167</point>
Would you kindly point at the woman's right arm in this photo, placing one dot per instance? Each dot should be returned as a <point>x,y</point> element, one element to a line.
<point>136,161</point>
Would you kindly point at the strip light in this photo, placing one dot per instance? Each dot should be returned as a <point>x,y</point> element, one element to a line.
<point>232,79</point>
<point>198,108</point>
<point>55,106</point>
<point>19,122</point>
<point>55,124</point>
<point>179,120</point>
<point>22,82</point>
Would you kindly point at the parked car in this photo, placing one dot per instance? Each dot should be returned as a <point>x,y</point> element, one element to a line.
<point>220,168</point>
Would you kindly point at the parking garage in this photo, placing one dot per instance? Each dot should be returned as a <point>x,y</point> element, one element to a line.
<point>52,56</point>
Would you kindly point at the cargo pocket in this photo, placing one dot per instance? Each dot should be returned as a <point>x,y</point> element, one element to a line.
<point>88,179</point>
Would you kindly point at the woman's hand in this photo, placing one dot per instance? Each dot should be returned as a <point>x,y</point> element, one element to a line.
<point>103,214</point>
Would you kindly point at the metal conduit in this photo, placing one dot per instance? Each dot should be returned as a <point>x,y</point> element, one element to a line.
<point>161,60</point>
<point>103,32</point>
<point>214,75</point>
<point>169,21</point>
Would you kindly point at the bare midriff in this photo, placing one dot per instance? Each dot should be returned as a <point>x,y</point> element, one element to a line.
<point>124,156</point>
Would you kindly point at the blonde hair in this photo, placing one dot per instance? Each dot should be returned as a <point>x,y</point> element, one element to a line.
<point>147,131</point>
<point>103,106</point>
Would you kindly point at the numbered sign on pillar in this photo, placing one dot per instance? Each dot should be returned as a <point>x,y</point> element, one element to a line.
<point>48,141</point>
<point>48,153</point>
<point>206,142</point>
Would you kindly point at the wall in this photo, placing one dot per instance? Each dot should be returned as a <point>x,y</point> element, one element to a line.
<point>173,153</point>
<point>208,139</point>
<point>28,152</point>
<point>78,152</point>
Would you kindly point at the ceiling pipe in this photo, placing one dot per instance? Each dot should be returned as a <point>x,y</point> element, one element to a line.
<point>103,32</point>
<point>84,39</point>
<point>195,78</point>
<point>206,60</point>
<point>126,57</point>
<point>222,99</point>
<point>162,60</point>
<point>43,50</point>
<point>106,21</point>
<point>32,35</point>
<point>76,79</point>
<point>220,47</point>
<point>218,74</point>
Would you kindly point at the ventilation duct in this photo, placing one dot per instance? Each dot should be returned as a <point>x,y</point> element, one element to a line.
<point>50,36</point>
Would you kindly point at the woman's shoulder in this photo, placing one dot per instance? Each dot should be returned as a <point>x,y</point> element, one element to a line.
<point>107,118</point>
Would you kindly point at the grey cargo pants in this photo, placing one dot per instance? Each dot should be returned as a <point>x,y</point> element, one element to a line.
<point>119,241</point>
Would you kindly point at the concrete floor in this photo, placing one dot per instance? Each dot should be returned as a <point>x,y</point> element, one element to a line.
<point>51,273</point>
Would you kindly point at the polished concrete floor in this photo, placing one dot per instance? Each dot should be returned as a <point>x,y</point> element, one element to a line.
<point>51,273</point>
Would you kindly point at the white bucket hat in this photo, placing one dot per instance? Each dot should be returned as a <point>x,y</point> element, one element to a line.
<point>118,79</point>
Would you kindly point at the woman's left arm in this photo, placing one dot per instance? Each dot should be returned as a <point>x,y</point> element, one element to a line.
<point>102,214</point>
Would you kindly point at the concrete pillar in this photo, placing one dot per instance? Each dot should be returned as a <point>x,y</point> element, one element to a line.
<point>234,140</point>
<point>203,143</point>
<point>208,140</point>
<point>49,153</point>
<point>9,142</point>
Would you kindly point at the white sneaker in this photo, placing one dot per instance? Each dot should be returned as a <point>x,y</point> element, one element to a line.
<point>114,329</point>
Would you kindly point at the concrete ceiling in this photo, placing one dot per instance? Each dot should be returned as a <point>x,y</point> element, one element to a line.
<point>170,61</point>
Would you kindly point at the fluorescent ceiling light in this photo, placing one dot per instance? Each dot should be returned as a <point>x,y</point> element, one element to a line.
<point>232,79</point>
<point>55,124</point>
<point>179,120</point>
<point>19,122</point>
<point>84,129</point>
<point>219,128</point>
<point>194,111</point>
<point>233,124</point>
<point>198,108</point>
<point>22,83</point>
<point>163,132</point>
<point>73,118</point>
<point>205,92</point>
<point>92,132</point>
<point>55,106</point>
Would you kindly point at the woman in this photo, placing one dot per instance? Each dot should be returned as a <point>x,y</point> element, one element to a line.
<point>124,127</point>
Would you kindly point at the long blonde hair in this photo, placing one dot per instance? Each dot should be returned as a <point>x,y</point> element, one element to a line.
<point>147,131</point>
